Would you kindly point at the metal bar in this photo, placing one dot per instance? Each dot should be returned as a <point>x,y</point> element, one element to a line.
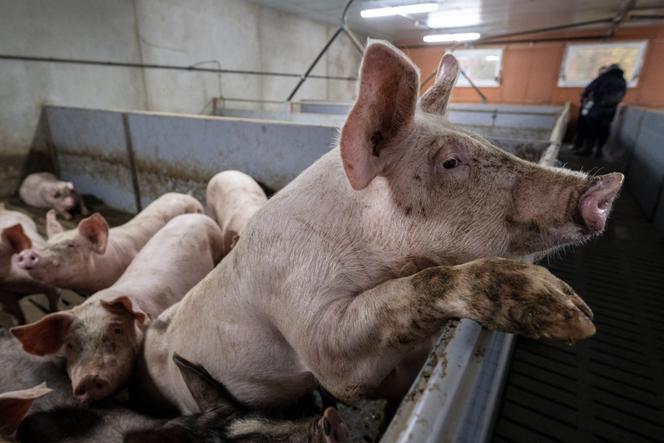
<point>354,40</point>
<point>315,62</point>
<point>549,29</point>
<point>620,17</point>
<point>474,86</point>
<point>192,68</point>
<point>132,163</point>
<point>646,17</point>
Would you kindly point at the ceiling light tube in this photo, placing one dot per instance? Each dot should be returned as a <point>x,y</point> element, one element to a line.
<point>447,38</point>
<point>418,8</point>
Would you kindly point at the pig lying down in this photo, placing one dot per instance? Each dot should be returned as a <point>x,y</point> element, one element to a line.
<point>350,269</point>
<point>45,190</point>
<point>19,232</point>
<point>53,415</point>
<point>224,419</point>
<point>232,199</point>
<point>92,256</point>
<point>101,337</point>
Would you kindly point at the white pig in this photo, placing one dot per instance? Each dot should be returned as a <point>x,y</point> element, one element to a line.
<point>232,199</point>
<point>372,249</point>
<point>92,256</point>
<point>45,190</point>
<point>19,232</point>
<point>101,337</point>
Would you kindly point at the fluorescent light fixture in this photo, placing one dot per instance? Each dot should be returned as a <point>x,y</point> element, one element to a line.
<point>446,38</point>
<point>454,18</point>
<point>492,58</point>
<point>418,8</point>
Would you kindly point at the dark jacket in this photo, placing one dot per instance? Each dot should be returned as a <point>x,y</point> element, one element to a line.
<point>607,90</point>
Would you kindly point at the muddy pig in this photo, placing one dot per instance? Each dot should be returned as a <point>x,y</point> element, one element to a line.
<point>55,416</point>
<point>232,199</point>
<point>224,419</point>
<point>92,257</point>
<point>45,190</point>
<point>101,337</point>
<point>408,223</point>
<point>19,232</point>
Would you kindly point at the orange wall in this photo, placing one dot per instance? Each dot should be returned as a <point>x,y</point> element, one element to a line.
<point>530,71</point>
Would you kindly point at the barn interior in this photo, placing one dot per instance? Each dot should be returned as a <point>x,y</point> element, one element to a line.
<point>133,99</point>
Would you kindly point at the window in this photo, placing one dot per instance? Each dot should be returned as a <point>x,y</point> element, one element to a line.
<point>481,65</point>
<point>582,62</point>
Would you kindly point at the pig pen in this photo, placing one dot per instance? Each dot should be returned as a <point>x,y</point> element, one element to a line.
<point>127,159</point>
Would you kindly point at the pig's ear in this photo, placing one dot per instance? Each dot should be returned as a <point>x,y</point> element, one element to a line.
<point>207,392</point>
<point>383,111</point>
<point>15,236</point>
<point>14,405</point>
<point>95,229</point>
<point>435,100</point>
<point>44,336</point>
<point>69,186</point>
<point>124,305</point>
<point>53,226</point>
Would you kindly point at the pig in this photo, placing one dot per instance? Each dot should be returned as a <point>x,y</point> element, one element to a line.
<point>92,257</point>
<point>101,337</point>
<point>409,222</point>
<point>232,199</point>
<point>45,190</point>
<point>225,419</point>
<point>19,232</point>
<point>54,414</point>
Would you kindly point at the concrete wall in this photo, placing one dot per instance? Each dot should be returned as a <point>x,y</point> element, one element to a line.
<point>236,33</point>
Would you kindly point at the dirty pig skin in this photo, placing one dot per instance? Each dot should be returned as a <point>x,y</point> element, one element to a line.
<point>367,253</point>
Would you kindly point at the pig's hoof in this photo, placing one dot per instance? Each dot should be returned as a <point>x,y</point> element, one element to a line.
<point>551,309</point>
<point>334,428</point>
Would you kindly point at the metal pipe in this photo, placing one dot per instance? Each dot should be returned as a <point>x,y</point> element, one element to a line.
<point>315,62</point>
<point>190,68</point>
<point>342,28</point>
<point>131,160</point>
<point>474,86</point>
<point>548,29</point>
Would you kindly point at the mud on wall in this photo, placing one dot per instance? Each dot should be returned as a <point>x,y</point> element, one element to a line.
<point>236,33</point>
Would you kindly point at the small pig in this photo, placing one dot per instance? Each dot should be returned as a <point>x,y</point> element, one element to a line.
<point>45,190</point>
<point>92,257</point>
<point>224,419</point>
<point>19,232</point>
<point>408,223</point>
<point>232,199</point>
<point>102,336</point>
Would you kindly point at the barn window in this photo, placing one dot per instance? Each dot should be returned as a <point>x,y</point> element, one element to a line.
<point>482,66</point>
<point>582,62</point>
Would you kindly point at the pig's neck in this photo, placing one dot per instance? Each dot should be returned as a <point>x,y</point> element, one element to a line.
<point>357,230</point>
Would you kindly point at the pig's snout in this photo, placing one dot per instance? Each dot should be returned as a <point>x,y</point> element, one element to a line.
<point>91,388</point>
<point>595,204</point>
<point>27,259</point>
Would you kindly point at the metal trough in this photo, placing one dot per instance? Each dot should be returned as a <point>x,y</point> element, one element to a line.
<point>130,158</point>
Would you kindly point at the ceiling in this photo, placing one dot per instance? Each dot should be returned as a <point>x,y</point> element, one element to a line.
<point>489,17</point>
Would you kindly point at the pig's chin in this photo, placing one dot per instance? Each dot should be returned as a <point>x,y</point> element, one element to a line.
<point>568,235</point>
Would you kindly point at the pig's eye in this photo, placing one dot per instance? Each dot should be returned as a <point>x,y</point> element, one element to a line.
<point>450,163</point>
<point>118,331</point>
<point>70,346</point>
<point>56,194</point>
<point>71,245</point>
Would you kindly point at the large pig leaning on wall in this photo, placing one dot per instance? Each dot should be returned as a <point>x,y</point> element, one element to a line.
<point>357,263</point>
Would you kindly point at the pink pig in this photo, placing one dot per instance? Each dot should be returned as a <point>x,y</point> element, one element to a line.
<point>101,337</point>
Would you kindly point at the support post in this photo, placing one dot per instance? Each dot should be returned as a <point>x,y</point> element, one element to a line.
<point>132,163</point>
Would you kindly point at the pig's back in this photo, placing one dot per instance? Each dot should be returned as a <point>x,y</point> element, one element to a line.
<point>146,223</point>
<point>176,258</point>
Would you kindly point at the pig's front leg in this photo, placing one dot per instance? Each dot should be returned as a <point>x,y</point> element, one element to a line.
<point>377,328</point>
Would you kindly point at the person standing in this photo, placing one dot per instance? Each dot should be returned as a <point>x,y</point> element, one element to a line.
<point>603,95</point>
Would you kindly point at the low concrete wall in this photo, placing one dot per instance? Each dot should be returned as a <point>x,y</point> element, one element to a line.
<point>176,152</point>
